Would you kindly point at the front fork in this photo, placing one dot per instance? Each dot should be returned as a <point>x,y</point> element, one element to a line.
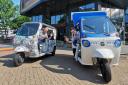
<point>98,61</point>
<point>104,65</point>
<point>103,60</point>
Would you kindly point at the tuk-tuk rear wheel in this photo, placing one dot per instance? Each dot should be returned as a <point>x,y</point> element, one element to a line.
<point>105,70</point>
<point>19,59</point>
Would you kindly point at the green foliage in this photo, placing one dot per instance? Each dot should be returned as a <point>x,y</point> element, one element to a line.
<point>10,16</point>
<point>7,11</point>
<point>18,21</point>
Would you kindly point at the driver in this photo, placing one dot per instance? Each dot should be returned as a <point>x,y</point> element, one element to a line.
<point>43,35</point>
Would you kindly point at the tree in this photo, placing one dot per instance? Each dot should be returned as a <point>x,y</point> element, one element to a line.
<point>18,21</point>
<point>10,16</point>
<point>7,12</point>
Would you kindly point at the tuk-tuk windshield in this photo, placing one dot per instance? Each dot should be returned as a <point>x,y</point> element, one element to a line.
<point>28,29</point>
<point>98,25</point>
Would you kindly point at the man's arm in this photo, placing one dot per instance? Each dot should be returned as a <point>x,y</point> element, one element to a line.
<point>43,36</point>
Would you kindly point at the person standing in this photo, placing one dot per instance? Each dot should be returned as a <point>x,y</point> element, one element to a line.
<point>65,41</point>
<point>75,36</point>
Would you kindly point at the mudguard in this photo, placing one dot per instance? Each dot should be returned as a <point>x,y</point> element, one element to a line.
<point>104,53</point>
<point>21,49</point>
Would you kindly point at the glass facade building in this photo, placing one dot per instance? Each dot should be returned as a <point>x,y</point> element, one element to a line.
<point>37,18</point>
<point>116,15</point>
<point>54,19</point>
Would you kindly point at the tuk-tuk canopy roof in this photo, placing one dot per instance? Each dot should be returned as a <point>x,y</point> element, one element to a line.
<point>76,16</point>
<point>39,24</point>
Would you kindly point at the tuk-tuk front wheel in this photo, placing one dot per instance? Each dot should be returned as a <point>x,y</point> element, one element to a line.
<point>18,59</point>
<point>105,70</point>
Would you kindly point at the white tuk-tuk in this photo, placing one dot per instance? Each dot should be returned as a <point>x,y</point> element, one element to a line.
<point>99,43</point>
<point>26,42</point>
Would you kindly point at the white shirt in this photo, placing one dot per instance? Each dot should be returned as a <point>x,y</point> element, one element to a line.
<point>43,35</point>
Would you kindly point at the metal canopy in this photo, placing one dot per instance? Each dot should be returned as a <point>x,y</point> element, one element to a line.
<point>55,7</point>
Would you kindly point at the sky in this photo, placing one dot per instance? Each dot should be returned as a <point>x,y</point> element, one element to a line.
<point>16,2</point>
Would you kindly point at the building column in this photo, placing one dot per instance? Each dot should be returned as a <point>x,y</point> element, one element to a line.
<point>124,26</point>
<point>98,6</point>
<point>47,16</point>
<point>68,20</point>
<point>68,24</point>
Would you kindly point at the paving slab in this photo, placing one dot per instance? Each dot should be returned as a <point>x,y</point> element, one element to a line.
<point>60,69</point>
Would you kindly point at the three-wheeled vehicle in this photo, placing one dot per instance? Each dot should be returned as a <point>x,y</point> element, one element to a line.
<point>99,43</point>
<point>26,42</point>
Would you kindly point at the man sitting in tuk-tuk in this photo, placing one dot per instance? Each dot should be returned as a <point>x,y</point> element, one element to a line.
<point>43,35</point>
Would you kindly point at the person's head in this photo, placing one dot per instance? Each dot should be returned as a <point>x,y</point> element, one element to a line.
<point>73,31</point>
<point>45,29</point>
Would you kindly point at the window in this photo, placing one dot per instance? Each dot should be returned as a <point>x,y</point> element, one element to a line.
<point>28,29</point>
<point>98,25</point>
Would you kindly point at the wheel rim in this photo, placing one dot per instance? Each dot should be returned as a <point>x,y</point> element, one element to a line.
<point>19,59</point>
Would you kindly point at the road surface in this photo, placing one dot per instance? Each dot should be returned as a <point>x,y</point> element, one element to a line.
<point>57,70</point>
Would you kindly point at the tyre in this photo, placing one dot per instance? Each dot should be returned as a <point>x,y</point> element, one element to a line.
<point>105,71</point>
<point>18,59</point>
<point>54,51</point>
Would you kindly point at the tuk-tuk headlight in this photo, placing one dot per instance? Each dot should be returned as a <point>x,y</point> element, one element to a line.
<point>117,43</point>
<point>86,43</point>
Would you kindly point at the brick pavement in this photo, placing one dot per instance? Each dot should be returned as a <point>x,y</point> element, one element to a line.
<point>58,70</point>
